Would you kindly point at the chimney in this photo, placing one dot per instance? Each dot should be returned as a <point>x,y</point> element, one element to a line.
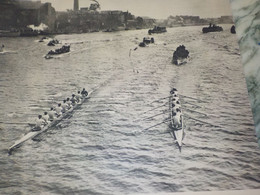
<point>76,5</point>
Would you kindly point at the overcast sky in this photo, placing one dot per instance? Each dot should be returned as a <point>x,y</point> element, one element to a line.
<point>155,8</point>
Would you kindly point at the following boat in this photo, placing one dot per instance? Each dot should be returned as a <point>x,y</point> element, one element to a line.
<point>212,28</point>
<point>157,29</point>
<point>53,123</point>
<point>146,41</point>
<point>62,50</point>
<point>177,131</point>
<point>180,56</point>
<point>233,29</point>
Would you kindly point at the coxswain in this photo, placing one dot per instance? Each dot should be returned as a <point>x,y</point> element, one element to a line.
<point>64,106</point>
<point>78,96</point>
<point>51,114</point>
<point>58,110</point>
<point>69,103</point>
<point>84,92</point>
<point>38,123</point>
<point>45,117</point>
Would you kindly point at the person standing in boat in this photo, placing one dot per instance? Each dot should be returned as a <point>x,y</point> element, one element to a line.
<point>84,92</point>
<point>45,117</point>
<point>58,110</point>
<point>38,123</point>
<point>51,114</point>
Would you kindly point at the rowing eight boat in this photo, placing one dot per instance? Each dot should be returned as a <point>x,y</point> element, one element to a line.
<point>177,131</point>
<point>33,134</point>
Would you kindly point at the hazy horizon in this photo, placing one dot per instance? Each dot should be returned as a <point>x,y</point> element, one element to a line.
<point>160,9</point>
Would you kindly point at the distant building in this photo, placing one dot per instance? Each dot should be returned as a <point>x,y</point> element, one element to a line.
<point>226,20</point>
<point>84,9</point>
<point>76,5</point>
<point>19,14</point>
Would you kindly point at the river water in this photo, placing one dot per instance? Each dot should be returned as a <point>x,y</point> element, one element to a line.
<point>105,146</point>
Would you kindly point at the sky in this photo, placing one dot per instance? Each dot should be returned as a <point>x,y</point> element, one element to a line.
<point>159,9</point>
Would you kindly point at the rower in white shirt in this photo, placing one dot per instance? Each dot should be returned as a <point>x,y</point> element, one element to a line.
<point>39,122</point>
<point>64,106</point>
<point>78,96</point>
<point>58,110</point>
<point>176,118</point>
<point>175,99</point>
<point>68,103</point>
<point>45,117</point>
<point>175,106</point>
<point>51,114</point>
<point>73,100</point>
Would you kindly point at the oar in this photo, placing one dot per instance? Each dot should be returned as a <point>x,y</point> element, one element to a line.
<point>150,117</point>
<point>193,104</point>
<point>130,52</point>
<point>160,99</point>
<point>195,111</point>
<point>202,121</point>
<point>155,108</point>
<point>157,124</point>
<point>193,98</point>
<point>19,123</point>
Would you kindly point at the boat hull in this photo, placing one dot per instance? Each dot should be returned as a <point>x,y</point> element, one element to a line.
<point>33,134</point>
<point>176,132</point>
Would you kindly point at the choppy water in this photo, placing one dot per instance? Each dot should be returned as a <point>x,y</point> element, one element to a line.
<point>104,147</point>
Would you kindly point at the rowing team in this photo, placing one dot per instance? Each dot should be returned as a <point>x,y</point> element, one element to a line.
<point>176,108</point>
<point>61,108</point>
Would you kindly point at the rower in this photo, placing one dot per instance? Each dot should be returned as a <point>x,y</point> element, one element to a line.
<point>64,106</point>
<point>179,110</point>
<point>58,110</point>
<point>78,96</point>
<point>69,103</point>
<point>176,116</point>
<point>84,92</point>
<point>51,114</point>
<point>73,100</point>
<point>38,123</point>
<point>45,117</point>
<point>173,91</point>
<point>175,99</point>
<point>175,107</point>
